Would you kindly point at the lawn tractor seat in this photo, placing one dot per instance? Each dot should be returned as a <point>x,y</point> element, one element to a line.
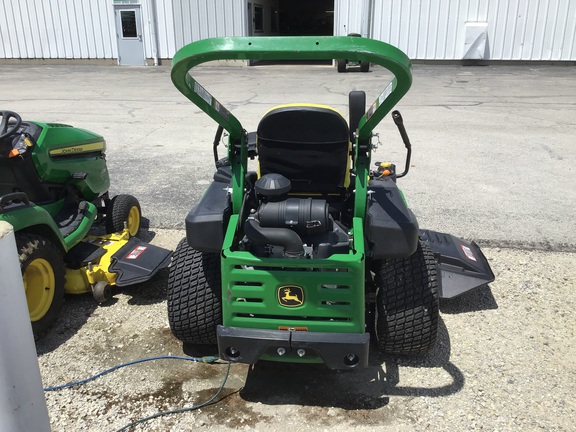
<point>308,144</point>
<point>19,174</point>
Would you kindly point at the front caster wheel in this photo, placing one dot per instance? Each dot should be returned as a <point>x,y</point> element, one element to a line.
<point>102,291</point>
<point>123,209</point>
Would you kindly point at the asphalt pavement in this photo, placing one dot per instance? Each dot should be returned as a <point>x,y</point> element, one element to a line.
<point>494,147</point>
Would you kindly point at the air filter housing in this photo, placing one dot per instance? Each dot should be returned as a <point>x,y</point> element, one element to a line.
<point>272,186</point>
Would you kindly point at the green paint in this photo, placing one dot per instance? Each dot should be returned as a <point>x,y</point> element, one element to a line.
<point>55,168</point>
<point>334,287</point>
<point>60,152</point>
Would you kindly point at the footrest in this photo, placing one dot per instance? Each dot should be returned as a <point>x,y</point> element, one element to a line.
<point>138,261</point>
<point>70,217</point>
<point>84,253</point>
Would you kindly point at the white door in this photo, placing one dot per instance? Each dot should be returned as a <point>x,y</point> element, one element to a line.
<point>129,33</point>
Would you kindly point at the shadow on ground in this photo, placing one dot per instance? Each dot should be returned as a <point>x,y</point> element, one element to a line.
<point>370,388</point>
<point>78,308</point>
<point>475,300</point>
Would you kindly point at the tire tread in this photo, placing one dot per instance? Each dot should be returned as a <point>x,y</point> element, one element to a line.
<point>118,210</point>
<point>407,303</point>
<point>194,295</point>
<point>29,247</point>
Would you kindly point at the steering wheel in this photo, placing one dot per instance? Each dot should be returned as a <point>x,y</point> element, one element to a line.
<point>7,129</point>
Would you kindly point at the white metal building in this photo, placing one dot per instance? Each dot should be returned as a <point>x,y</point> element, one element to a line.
<point>146,31</point>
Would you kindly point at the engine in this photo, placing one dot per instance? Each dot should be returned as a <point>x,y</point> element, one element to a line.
<point>283,227</point>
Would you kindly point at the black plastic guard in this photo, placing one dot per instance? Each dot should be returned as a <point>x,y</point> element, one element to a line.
<point>207,221</point>
<point>83,253</point>
<point>463,266</point>
<point>138,261</point>
<point>337,350</point>
<point>390,226</point>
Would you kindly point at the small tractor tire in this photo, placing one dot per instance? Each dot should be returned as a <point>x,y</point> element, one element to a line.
<point>364,66</point>
<point>102,291</point>
<point>407,303</point>
<point>341,65</point>
<point>43,275</point>
<point>123,209</point>
<point>194,295</point>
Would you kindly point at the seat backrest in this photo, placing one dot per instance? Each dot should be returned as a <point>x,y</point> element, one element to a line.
<point>308,144</point>
<point>19,174</point>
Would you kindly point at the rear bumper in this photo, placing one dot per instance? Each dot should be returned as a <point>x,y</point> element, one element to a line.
<point>335,350</point>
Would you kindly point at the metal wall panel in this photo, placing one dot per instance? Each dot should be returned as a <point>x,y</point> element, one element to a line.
<point>424,29</point>
<point>66,29</point>
<point>517,29</point>
<point>348,15</point>
<point>79,29</point>
<point>200,19</point>
<point>165,28</point>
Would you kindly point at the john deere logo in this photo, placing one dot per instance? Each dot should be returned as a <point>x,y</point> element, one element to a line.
<point>290,295</point>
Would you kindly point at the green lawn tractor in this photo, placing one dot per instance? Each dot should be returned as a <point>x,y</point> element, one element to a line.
<point>343,64</point>
<point>308,257</point>
<point>53,190</point>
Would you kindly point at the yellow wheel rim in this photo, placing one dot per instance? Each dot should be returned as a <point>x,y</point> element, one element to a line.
<point>133,221</point>
<point>40,285</point>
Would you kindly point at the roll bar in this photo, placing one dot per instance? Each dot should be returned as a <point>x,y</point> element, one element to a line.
<point>291,48</point>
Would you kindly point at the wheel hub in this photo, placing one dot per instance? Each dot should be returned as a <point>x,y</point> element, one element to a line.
<point>39,285</point>
<point>133,220</point>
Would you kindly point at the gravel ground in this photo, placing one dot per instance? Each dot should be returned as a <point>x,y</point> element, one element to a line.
<point>505,361</point>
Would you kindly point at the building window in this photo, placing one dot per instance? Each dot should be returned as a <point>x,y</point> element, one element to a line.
<point>258,18</point>
<point>128,19</point>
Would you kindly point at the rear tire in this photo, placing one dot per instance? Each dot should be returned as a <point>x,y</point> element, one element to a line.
<point>43,275</point>
<point>407,303</point>
<point>341,65</point>
<point>123,208</point>
<point>194,295</point>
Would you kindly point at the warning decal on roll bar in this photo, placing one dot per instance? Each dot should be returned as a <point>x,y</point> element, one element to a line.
<point>387,91</point>
<point>221,109</point>
<point>203,93</point>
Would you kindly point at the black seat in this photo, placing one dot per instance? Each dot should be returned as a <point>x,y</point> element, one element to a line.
<point>19,174</point>
<point>308,144</point>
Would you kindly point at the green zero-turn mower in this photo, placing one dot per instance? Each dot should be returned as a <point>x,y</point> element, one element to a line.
<point>53,190</point>
<point>307,258</point>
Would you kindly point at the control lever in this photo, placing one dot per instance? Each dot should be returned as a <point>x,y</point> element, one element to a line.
<point>397,117</point>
